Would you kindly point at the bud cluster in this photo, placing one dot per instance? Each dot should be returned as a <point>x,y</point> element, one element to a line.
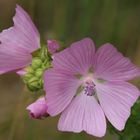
<point>34,72</point>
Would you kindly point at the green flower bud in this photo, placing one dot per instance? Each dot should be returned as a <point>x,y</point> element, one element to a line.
<point>32,79</point>
<point>29,69</point>
<point>40,62</point>
<point>41,83</point>
<point>33,84</point>
<point>36,63</point>
<point>27,77</point>
<point>32,87</point>
<point>39,72</point>
<point>46,65</point>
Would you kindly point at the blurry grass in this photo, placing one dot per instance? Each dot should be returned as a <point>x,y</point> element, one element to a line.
<point>114,21</point>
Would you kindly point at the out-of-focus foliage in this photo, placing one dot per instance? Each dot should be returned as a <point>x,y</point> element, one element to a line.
<point>115,21</point>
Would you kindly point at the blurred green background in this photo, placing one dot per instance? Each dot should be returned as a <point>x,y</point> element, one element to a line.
<point>115,21</point>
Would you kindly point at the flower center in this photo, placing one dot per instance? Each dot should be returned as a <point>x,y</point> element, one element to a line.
<point>89,88</point>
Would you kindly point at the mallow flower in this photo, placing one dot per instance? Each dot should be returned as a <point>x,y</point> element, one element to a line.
<point>18,42</point>
<point>17,45</point>
<point>21,51</point>
<point>87,87</point>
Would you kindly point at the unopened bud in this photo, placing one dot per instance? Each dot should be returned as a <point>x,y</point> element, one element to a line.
<point>53,46</point>
<point>33,84</point>
<point>36,63</point>
<point>29,69</point>
<point>46,65</point>
<point>27,77</point>
<point>33,76</point>
<point>38,109</point>
<point>39,72</point>
<point>33,79</point>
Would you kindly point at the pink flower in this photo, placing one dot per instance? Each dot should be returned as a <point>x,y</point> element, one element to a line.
<point>53,46</point>
<point>86,86</point>
<point>38,109</point>
<point>18,42</point>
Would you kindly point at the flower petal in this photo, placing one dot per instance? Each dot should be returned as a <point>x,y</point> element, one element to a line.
<point>21,72</point>
<point>13,57</point>
<point>83,114</point>
<point>1,72</point>
<point>23,33</point>
<point>116,99</point>
<point>60,89</point>
<point>111,65</point>
<point>77,58</point>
